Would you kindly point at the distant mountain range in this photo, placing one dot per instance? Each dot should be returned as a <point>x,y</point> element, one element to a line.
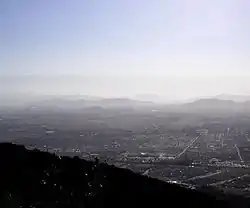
<point>235,98</point>
<point>216,105</point>
<point>83,103</point>
<point>211,103</point>
<point>220,102</point>
<point>202,105</point>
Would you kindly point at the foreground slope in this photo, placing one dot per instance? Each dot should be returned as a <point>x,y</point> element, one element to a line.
<point>39,179</point>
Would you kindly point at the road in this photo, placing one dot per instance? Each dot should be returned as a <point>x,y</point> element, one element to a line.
<point>205,176</point>
<point>191,143</point>
<point>229,181</point>
<point>238,152</point>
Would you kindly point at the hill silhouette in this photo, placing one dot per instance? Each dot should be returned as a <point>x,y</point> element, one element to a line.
<point>30,178</point>
<point>233,97</point>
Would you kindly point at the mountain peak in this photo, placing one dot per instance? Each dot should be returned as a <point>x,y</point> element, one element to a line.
<point>233,97</point>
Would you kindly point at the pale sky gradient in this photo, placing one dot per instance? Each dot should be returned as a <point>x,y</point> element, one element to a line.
<point>174,48</point>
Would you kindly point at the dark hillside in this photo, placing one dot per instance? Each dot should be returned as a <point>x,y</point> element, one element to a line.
<point>39,179</point>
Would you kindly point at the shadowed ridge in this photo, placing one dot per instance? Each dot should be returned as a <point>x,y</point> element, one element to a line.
<point>40,179</point>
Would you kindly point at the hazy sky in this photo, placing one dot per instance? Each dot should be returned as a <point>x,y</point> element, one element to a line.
<point>174,48</point>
